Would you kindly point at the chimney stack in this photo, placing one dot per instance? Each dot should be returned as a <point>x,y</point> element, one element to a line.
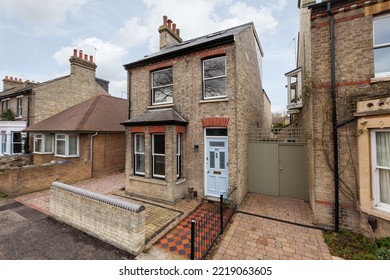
<point>11,82</point>
<point>169,34</point>
<point>81,62</point>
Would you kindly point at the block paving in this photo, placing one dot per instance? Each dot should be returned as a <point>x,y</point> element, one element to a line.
<point>255,238</point>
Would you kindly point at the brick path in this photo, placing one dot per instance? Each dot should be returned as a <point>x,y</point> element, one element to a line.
<point>255,238</point>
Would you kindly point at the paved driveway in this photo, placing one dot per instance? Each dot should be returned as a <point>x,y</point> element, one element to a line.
<point>272,228</point>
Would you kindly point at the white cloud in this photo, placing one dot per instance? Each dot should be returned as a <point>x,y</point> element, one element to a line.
<point>43,15</point>
<point>108,57</point>
<point>132,34</point>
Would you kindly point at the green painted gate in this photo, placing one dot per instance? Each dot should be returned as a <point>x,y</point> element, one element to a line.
<point>278,169</point>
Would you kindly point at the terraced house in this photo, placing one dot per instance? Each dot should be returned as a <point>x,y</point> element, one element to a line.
<point>191,107</point>
<point>340,94</point>
<point>32,102</point>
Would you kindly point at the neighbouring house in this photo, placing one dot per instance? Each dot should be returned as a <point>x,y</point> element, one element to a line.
<point>191,107</point>
<point>340,94</point>
<point>89,133</point>
<point>32,102</point>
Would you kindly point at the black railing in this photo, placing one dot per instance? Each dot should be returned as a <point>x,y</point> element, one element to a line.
<point>206,228</point>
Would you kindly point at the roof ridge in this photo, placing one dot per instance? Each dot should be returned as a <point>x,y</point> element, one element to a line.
<point>88,113</point>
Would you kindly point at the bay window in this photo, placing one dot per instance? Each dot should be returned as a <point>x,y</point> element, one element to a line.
<point>43,143</point>
<point>139,154</point>
<point>67,145</point>
<point>158,155</point>
<point>381,169</point>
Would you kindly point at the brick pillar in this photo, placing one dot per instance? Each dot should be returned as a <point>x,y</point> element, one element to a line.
<point>148,154</point>
<point>170,154</point>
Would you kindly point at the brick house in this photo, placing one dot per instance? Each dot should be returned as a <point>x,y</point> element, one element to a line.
<point>33,102</point>
<point>340,94</point>
<point>191,107</point>
<point>89,133</point>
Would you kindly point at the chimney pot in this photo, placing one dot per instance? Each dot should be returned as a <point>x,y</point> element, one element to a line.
<point>80,54</point>
<point>85,57</point>
<point>91,58</point>
<point>169,24</point>
<point>6,77</point>
<point>165,19</point>
<point>11,78</point>
<point>20,80</point>
<point>178,32</point>
<point>174,27</point>
<point>74,52</point>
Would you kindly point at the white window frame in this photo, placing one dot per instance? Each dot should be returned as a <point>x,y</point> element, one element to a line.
<point>380,46</point>
<point>13,143</point>
<point>178,155</point>
<point>66,140</point>
<point>3,143</point>
<point>3,102</point>
<point>138,153</point>
<point>19,106</point>
<point>213,78</point>
<point>159,87</point>
<point>154,154</point>
<point>375,174</point>
<point>297,74</point>
<point>43,137</point>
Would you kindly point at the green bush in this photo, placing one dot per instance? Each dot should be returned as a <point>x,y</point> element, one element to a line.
<point>7,115</point>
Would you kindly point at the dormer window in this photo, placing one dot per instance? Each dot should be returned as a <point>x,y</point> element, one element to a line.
<point>162,86</point>
<point>294,89</point>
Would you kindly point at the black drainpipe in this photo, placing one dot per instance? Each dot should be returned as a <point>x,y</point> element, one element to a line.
<point>334,122</point>
<point>129,92</point>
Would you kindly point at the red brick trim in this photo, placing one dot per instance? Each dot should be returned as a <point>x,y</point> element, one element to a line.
<point>323,24</point>
<point>180,129</point>
<point>213,52</point>
<point>344,84</point>
<point>215,122</point>
<point>332,204</point>
<point>160,65</point>
<point>137,129</point>
<point>157,129</point>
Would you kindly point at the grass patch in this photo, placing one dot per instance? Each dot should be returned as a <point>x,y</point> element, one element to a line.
<point>2,195</point>
<point>353,246</point>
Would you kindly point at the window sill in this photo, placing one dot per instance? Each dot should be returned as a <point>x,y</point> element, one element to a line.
<point>61,156</point>
<point>379,79</point>
<point>213,100</point>
<point>170,105</point>
<point>147,180</point>
<point>39,153</point>
<point>377,213</point>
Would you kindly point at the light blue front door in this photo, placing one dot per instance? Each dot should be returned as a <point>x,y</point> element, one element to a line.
<point>216,166</point>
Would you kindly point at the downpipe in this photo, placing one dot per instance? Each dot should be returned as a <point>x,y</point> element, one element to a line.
<point>334,121</point>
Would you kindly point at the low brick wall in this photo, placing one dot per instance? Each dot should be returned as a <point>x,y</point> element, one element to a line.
<point>32,178</point>
<point>117,222</point>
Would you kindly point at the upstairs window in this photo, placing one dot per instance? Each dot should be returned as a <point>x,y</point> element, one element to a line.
<point>294,89</point>
<point>162,86</point>
<point>214,78</point>
<point>19,107</point>
<point>5,105</point>
<point>382,46</point>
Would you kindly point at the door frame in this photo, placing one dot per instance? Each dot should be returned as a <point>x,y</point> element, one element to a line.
<point>205,137</point>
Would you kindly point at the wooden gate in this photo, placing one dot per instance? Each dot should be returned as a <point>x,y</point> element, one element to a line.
<point>277,165</point>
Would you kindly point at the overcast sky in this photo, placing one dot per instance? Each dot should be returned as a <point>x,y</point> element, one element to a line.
<point>37,37</point>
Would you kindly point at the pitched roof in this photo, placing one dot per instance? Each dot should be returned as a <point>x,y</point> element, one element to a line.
<point>161,116</point>
<point>101,113</point>
<point>197,44</point>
